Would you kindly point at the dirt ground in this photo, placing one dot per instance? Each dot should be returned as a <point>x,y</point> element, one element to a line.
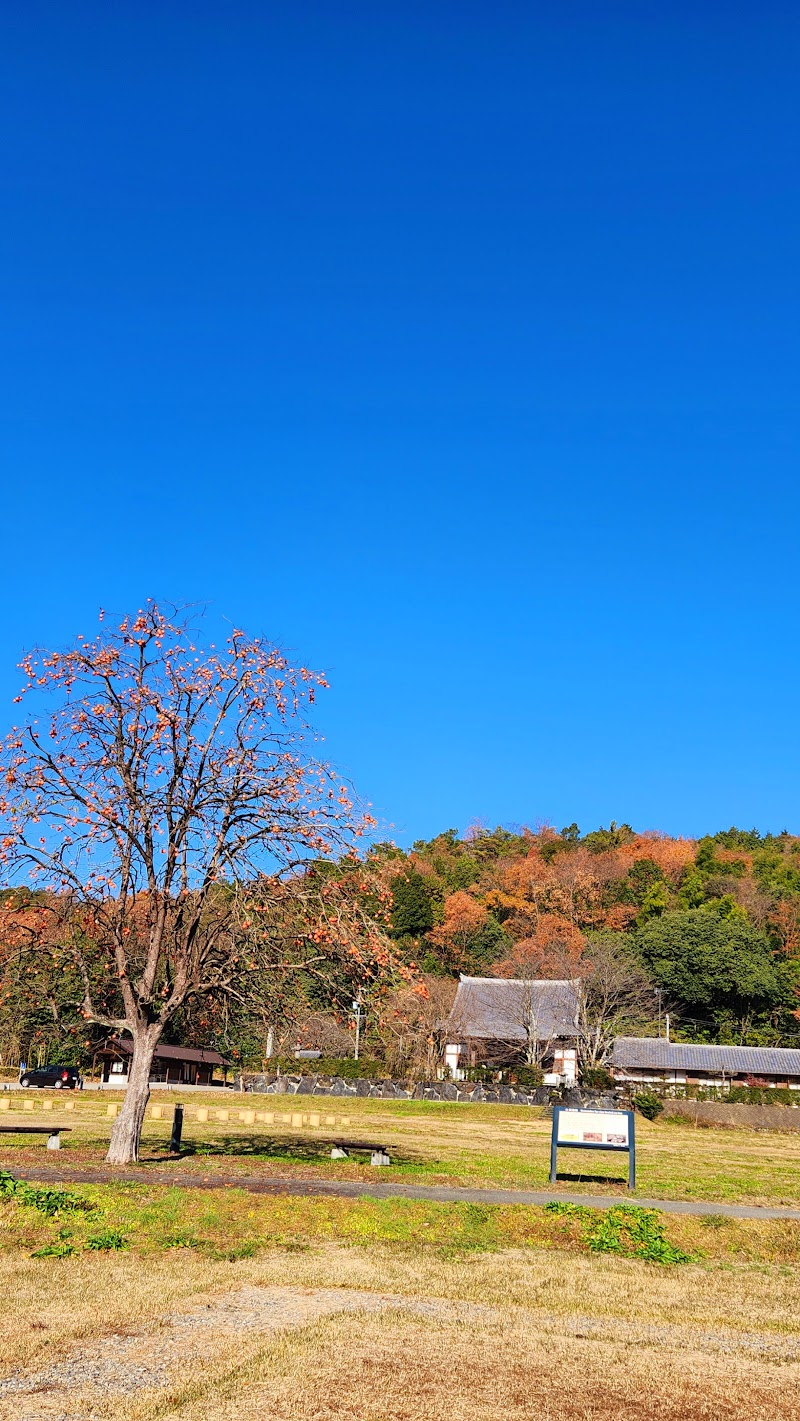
<point>375,1336</point>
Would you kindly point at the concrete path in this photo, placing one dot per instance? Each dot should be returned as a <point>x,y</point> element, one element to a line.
<point>357,1189</point>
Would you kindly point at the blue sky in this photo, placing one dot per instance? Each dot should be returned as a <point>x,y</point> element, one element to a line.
<point>454,346</point>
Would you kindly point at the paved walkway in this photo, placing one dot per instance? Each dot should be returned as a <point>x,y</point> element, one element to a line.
<point>356,1189</point>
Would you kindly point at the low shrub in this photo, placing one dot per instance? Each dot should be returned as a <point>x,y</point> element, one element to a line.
<point>760,1095</point>
<point>648,1104</point>
<point>482,1075</point>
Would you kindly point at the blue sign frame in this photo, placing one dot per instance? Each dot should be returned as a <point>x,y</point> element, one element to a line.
<point>629,1149</point>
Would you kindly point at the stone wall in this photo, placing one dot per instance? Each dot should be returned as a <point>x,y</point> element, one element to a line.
<point>398,1090</point>
<point>710,1113</point>
<point>754,1117</point>
<point>465,1091</point>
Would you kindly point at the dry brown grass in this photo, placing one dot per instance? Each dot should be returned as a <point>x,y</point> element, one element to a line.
<point>403,1369</point>
<point>567,1338</point>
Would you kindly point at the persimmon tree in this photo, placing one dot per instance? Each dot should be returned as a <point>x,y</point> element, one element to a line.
<point>165,793</point>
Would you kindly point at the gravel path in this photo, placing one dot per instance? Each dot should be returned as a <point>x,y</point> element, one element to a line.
<point>356,1189</point>
<point>122,1365</point>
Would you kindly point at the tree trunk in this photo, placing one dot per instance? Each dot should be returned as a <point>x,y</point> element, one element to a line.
<point>126,1132</point>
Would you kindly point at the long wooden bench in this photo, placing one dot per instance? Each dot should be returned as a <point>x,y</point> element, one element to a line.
<point>341,1149</point>
<point>53,1132</point>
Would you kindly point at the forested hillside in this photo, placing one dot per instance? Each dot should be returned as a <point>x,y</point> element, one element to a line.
<point>714,923</point>
<point>706,930</point>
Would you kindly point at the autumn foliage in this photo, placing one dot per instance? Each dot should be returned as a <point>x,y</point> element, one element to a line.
<point>164,796</point>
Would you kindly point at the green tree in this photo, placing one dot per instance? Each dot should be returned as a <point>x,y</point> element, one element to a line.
<point>412,905</point>
<point>599,841</point>
<point>655,901</point>
<point>711,964</point>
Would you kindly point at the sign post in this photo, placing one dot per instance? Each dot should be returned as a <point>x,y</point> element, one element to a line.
<point>593,1130</point>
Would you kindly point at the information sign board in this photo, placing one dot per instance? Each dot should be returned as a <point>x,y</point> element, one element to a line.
<point>593,1130</point>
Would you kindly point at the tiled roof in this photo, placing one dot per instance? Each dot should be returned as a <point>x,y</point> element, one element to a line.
<point>639,1053</point>
<point>206,1057</point>
<point>494,1009</point>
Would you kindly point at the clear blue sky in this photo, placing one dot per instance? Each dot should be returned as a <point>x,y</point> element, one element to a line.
<point>454,345</point>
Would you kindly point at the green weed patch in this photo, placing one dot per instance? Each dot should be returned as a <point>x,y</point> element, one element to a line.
<point>106,1241</point>
<point>46,1201</point>
<point>626,1230</point>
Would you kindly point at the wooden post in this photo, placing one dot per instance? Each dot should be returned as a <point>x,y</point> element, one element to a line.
<point>177,1131</point>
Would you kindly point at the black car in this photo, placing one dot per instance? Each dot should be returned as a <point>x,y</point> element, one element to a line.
<point>52,1078</point>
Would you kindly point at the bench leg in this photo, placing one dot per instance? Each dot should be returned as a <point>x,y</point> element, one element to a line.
<point>380,1157</point>
<point>336,1153</point>
<point>54,1141</point>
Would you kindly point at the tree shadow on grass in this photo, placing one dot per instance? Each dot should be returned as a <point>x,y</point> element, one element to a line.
<point>264,1147</point>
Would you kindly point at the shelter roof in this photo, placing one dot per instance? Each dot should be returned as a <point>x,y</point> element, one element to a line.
<point>199,1056</point>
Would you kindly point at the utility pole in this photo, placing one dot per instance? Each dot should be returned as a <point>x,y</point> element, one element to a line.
<point>659,994</point>
<point>357,1013</point>
<point>667,1022</point>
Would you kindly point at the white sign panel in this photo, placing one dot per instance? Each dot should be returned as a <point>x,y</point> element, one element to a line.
<point>593,1127</point>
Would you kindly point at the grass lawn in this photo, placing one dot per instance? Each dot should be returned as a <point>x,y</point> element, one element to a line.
<point>432,1143</point>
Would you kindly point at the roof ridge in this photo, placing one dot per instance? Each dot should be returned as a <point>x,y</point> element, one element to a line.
<point>706,1045</point>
